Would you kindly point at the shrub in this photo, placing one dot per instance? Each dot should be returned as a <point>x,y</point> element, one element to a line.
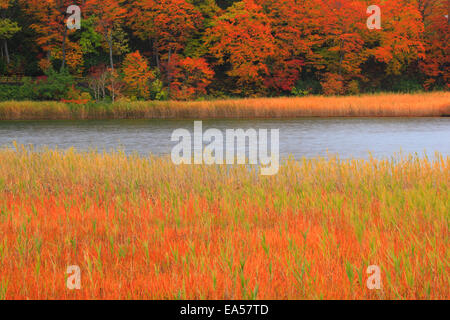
<point>97,81</point>
<point>54,87</point>
<point>306,87</point>
<point>405,85</point>
<point>157,91</point>
<point>3,68</point>
<point>190,77</point>
<point>299,92</point>
<point>86,96</point>
<point>26,91</point>
<point>73,93</point>
<point>9,92</point>
<point>353,87</point>
<point>333,84</point>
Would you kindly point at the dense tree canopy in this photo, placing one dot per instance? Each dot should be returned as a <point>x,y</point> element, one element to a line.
<point>186,49</point>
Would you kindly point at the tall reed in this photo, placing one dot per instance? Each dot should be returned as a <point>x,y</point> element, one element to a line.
<point>143,228</point>
<point>383,105</point>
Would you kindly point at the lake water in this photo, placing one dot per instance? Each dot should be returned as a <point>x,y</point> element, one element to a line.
<point>306,137</point>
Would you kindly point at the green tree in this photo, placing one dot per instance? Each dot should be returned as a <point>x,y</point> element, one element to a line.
<point>8,29</point>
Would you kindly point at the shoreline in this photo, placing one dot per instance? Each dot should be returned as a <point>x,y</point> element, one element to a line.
<point>435,104</point>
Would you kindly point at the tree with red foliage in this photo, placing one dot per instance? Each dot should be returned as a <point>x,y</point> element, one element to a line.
<point>295,28</point>
<point>436,38</point>
<point>343,25</point>
<point>257,47</point>
<point>243,37</point>
<point>333,84</point>
<point>190,77</point>
<point>167,24</point>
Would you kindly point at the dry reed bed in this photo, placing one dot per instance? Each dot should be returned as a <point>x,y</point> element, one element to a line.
<point>142,228</point>
<point>383,105</point>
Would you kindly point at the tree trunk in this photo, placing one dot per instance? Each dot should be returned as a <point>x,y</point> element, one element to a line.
<point>5,45</point>
<point>63,65</point>
<point>113,89</point>
<point>156,54</point>
<point>110,44</point>
<point>169,74</point>
<point>341,54</point>
<point>152,49</point>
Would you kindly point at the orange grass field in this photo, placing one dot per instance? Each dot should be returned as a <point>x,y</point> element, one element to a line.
<point>435,104</point>
<point>142,228</point>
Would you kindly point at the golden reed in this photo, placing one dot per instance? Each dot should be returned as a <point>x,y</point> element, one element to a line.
<point>434,104</point>
<point>151,230</point>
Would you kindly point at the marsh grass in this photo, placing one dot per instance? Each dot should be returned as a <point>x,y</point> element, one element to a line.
<point>380,105</point>
<point>142,228</point>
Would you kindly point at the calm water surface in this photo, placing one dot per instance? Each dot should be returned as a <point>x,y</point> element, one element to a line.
<point>307,137</point>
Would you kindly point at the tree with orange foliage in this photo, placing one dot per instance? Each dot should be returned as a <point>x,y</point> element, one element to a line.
<point>343,22</point>
<point>398,43</point>
<point>243,37</point>
<point>167,24</point>
<point>137,75</point>
<point>257,47</point>
<point>51,24</point>
<point>295,28</point>
<point>333,84</point>
<point>4,4</point>
<point>436,38</point>
<point>190,77</point>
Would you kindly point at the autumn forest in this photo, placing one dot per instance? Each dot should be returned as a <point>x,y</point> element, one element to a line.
<point>192,49</point>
